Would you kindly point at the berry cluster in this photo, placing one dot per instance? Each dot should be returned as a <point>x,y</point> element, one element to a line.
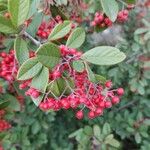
<point>101,20</point>
<point>123,16</point>
<point>4,125</point>
<point>8,68</point>
<point>46,28</point>
<point>85,94</point>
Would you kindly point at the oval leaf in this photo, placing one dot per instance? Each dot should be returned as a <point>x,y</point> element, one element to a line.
<point>76,38</point>
<point>104,55</point>
<point>40,81</point>
<point>29,69</point>
<point>141,30</point>
<point>49,55</point>
<point>60,30</point>
<point>57,86</point>
<point>19,10</point>
<point>56,11</point>
<point>34,25</point>
<point>6,26</point>
<point>100,79</point>
<point>13,102</point>
<point>110,8</point>
<point>4,104</point>
<point>21,50</point>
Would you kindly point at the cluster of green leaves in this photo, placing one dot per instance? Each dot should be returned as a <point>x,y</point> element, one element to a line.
<point>96,137</point>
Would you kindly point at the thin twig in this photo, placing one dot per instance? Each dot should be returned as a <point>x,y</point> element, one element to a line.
<point>127,105</point>
<point>36,42</point>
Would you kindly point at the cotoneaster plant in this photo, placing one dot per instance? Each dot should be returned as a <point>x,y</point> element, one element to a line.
<point>58,75</point>
<point>43,59</point>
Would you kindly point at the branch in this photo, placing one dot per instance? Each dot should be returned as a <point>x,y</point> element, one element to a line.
<point>127,105</point>
<point>36,42</point>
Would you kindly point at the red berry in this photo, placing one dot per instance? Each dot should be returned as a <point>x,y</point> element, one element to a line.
<point>115,100</point>
<point>79,114</point>
<point>91,114</point>
<point>108,84</point>
<point>99,111</point>
<point>120,91</point>
<point>108,104</point>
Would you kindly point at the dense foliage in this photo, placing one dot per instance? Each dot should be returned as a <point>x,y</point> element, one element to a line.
<point>57,79</point>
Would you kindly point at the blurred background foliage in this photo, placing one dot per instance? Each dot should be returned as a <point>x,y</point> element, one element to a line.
<point>125,126</point>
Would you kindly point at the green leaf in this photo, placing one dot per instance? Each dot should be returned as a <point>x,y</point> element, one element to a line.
<point>57,86</point>
<point>109,137</point>
<point>35,127</point>
<point>97,131</point>
<point>100,79</point>
<point>78,65</point>
<point>13,102</point>
<point>76,38</point>
<point>138,138</point>
<point>104,55</point>
<point>88,130</point>
<point>141,30</point>
<point>110,8</point>
<point>56,11</point>
<point>4,104</point>
<point>33,7</point>
<point>19,10</point>
<point>130,1</point>
<point>21,50</point>
<point>6,26</point>
<point>91,75</point>
<point>40,81</point>
<point>60,30</point>
<point>106,129</point>
<point>49,55</point>
<point>113,142</point>
<point>29,69</point>
<point>34,25</point>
